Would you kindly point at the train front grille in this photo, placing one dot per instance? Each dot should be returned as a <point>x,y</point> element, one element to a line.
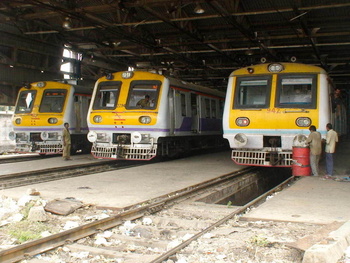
<point>260,158</point>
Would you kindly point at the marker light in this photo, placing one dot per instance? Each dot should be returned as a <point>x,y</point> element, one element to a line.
<point>242,121</point>
<point>18,121</point>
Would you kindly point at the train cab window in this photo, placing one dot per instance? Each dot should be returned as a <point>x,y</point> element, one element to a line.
<point>252,92</point>
<point>25,101</point>
<point>296,91</point>
<point>53,100</point>
<point>107,94</point>
<point>143,94</point>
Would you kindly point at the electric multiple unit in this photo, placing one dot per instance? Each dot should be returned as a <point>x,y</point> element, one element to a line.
<point>269,108</point>
<point>138,115</point>
<point>41,110</point>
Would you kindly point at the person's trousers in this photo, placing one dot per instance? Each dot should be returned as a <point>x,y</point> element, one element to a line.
<point>66,151</point>
<point>314,160</point>
<point>329,163</point>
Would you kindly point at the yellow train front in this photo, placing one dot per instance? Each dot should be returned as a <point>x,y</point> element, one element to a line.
<point>269,108</point>
<point>41,110</point>
<point>138,115</point>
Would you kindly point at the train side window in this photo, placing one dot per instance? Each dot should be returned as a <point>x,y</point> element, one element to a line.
<point>143,94</point>
<point>53,100</point>
<point>252,92</point>
<point>296,91</point>
<point>25,101</point>
<point>107,95</point>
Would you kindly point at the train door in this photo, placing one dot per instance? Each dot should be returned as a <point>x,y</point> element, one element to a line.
<point>77,113</point>
<point>172,108</point>
<point>194,113</point>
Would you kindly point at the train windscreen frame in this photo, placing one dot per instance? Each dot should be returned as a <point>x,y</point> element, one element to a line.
<point>107,95</point>
<point>139,89</point>
<point>296,91</point>
<point>53,100</point>
<point>25,101</point>
<point>252,92</point>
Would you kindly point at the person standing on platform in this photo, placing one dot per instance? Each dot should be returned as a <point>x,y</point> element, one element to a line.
<point>331,140</point>
<point>66,140</point>
<point>315,142</point>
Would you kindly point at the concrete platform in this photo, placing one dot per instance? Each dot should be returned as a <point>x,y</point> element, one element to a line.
<point>125,187</point>
<point>44,163</point>
<point>310,200</point>
<point>313,199</point>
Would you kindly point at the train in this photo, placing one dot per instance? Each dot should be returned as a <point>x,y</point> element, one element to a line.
<point>140,115</point>
<point>41,110</point>
<point>269,108</point>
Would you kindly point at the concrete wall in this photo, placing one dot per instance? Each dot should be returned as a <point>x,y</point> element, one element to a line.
<point>6,126</point>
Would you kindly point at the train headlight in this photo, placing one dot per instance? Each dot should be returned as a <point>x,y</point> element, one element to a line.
<point>18,121</point>
<point>275,67</point>
<point>52,120</point>
<point>12,135</point>
<point>242,121</point>
<point>97,118</point>
<point>92,136</point>
<point>145,119</point>
<point>303,122</point>
<point>240,139</point>
<point>44,136</point>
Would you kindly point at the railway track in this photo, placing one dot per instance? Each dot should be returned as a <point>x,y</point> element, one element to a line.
<point>58,173</point>
<point>159,239</point>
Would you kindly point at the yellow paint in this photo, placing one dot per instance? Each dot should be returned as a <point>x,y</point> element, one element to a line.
<point>278,118</point>
<point>35,118</point>
<point>122,116</point>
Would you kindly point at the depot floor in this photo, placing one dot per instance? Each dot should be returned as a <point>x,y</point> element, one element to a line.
<point>310,199</point>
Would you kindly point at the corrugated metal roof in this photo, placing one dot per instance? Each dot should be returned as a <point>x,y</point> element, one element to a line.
<point>205,47</point>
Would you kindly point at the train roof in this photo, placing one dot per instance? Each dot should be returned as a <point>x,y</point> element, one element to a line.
<point>181,84</point>
<point>287,68</point>
<point>87,89</point>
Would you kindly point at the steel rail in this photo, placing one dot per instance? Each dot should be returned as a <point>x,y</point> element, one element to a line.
<point>132,212</point>
<point>239,210</point>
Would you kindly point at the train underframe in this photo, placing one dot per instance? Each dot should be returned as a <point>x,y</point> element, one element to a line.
<point>171,147</point>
